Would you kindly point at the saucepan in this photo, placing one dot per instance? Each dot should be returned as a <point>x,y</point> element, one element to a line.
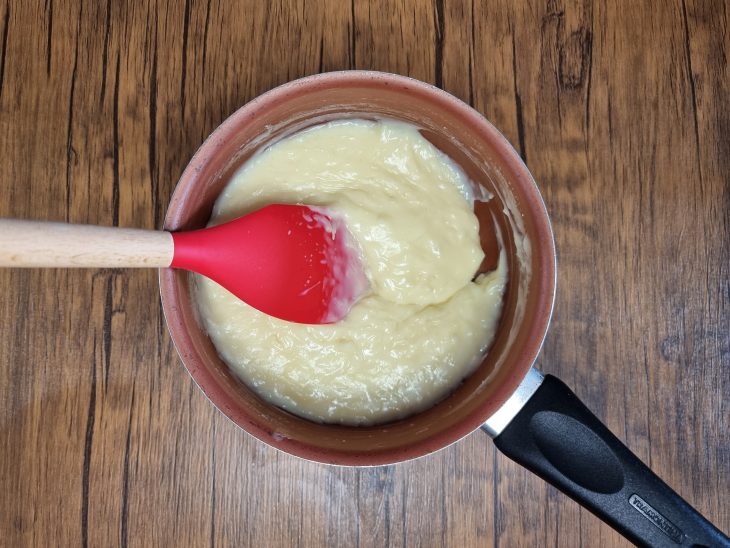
<point>533,418</point>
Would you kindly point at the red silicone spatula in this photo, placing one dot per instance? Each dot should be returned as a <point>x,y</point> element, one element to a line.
<point>289,261</point>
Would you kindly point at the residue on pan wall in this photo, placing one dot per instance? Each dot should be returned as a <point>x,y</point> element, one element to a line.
<point>522,253</point>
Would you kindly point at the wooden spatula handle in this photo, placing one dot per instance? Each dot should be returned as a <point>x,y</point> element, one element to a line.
<point>45,244</point>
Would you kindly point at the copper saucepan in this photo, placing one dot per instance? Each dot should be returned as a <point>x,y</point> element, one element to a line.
<point>534,419</point>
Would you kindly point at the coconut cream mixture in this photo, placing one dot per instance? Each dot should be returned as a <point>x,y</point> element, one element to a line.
<point>422,326</point>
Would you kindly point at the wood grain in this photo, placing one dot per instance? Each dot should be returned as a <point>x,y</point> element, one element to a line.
<point>618,108</point>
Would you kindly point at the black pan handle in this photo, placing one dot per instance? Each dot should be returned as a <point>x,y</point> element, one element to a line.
<point>555,436</point>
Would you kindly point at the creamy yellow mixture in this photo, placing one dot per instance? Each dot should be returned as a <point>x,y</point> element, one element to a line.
<point>424,324</point>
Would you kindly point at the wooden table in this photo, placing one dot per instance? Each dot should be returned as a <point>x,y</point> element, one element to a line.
<point>620,110</point>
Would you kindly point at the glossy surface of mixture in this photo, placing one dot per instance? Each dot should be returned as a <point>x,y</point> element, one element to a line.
<point>424,324</point>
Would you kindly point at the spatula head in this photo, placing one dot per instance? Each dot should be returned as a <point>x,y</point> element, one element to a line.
<point>294,262</point>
